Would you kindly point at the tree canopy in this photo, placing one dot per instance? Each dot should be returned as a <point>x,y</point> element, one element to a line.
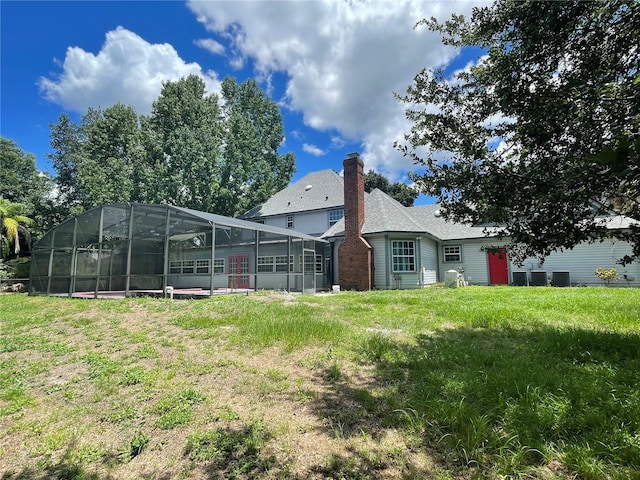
<point>22,183</point>
<point>13,227</point>
<point>203,151</point>
<point>399,191</point>
<point>541,136</point>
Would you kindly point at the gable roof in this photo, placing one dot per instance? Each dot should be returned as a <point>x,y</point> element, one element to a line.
<point>327,191</point>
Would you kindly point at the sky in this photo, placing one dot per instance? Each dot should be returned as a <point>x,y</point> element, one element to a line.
<point>332,66</point>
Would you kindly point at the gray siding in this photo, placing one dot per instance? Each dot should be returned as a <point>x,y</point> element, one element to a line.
<point>312,223</point>
<point>429,260</point>
<point>582,261</point>
<point>380,279</point>
<point>474,261</point>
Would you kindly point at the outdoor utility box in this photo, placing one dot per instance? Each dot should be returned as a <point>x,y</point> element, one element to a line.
<point>539,278</point>
<point>520,279</point>
<point>561,278</point>
<point>451,279</point>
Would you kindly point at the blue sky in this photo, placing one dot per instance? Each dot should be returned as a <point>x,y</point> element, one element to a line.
<point>332,66</point>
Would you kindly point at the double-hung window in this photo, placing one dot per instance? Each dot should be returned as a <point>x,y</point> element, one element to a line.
<point>289,221</point>
<point>452,253</point>
<point>202,266</point>
<point>282,263</point>
<point>403,255</point>
<point>335,216</point>
<point>218,265</point>
<point>265,264</point>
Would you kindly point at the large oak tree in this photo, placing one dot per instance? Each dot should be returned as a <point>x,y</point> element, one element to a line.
<point>540,136</point>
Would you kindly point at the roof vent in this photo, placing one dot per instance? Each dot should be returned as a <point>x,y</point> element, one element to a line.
<point>308,187</point>
<point>437,214</point>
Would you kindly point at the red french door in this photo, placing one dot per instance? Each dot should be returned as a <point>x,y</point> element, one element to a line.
<point>239,272</point>
<point>498,267</point>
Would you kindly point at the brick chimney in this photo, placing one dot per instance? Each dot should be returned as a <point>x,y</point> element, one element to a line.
<point>355,255</point>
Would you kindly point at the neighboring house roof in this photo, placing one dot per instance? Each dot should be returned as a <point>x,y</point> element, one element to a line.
<point>327,191</point>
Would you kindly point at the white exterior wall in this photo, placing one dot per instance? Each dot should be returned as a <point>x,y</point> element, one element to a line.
<point>582,261</point>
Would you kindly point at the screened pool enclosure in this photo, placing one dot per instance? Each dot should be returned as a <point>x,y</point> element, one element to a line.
<point>132,249</point>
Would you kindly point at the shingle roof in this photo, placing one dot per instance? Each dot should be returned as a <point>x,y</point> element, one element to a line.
<point>432,222</point>
<point>327,191</point>
<point>382,214</point>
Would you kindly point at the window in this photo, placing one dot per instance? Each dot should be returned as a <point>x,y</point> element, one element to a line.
<point>281,263</point>
<point>289,221</point>
<point>187,266</point>
<point>192,266</point>
<point>261,222</point>
<point>452,253</point>
<point>403,257</point>
<point>319,263</point>
<point>202,266</point>
<point>218,265</point>
<point>335,216</point>
<point>265,264</point>
<point>269,264</point>
<point>309,263</point>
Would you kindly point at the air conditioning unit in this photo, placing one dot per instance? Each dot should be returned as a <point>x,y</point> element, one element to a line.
<point>538,278</point>
<point>520,279</point>
<point>561,279</point>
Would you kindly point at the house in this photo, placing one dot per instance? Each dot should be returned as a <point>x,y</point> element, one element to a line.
<point>378,243</point>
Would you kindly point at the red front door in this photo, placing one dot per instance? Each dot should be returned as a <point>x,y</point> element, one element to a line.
<point>239,272</point>
<point>498,267</point>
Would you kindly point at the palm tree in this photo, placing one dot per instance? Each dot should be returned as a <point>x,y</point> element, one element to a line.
<point>13,225</point>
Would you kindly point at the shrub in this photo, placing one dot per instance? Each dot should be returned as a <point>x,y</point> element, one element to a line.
<point>607,275</point>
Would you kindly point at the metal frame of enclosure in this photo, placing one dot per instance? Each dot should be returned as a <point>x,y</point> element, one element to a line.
<point>132,249</point>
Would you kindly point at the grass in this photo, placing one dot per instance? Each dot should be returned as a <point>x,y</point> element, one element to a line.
<point>436,383</point>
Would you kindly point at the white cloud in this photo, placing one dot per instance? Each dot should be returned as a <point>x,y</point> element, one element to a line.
<point>344,60</point>
<point>210,45</point>
<point>127,69</point>
<point>313,150</point>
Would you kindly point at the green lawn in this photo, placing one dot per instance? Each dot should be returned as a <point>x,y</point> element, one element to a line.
<point>477,382</point>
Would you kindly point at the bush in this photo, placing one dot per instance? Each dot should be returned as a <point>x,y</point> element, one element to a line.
<point>18,267</point>
<point>607,275</point>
